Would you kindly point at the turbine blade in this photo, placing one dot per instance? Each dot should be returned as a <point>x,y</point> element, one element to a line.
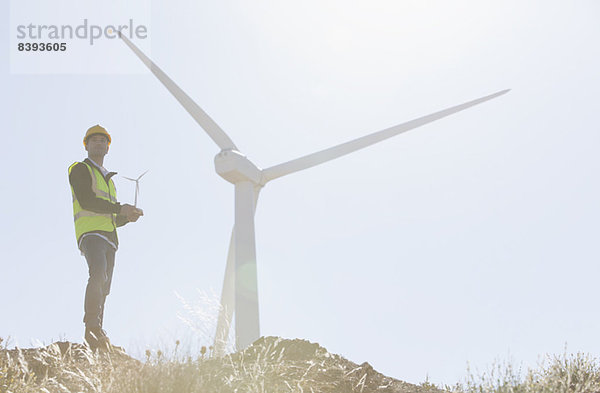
<point>128,178</point>
<point>202,118</point>
<point>228,294</point>
<point>322,156</point>
<point>227,301</point>
<point>140,176</point>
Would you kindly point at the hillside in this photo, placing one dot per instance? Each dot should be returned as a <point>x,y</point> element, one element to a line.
<point>271,364</point>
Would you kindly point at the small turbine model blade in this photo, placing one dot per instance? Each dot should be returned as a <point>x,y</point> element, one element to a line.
<point>360,143</point>
<point>140,176</point>
<point>202,118</point>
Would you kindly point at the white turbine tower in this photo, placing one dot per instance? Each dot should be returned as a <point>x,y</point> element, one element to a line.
<point>240,285</point>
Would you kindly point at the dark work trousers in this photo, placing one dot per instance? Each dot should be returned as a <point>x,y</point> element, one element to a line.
<point>100,257</point>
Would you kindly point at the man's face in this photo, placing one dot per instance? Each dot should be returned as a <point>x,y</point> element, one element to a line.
<point>97,145</point>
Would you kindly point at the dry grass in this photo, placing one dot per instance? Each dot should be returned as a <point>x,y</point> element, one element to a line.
<point>566,373</point>
<point>269,365</point>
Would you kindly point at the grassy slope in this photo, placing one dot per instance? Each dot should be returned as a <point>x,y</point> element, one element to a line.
<point>270,365</point>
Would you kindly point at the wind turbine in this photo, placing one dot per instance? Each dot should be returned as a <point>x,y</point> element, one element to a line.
<point>137,185</point>
<point>240,292</point>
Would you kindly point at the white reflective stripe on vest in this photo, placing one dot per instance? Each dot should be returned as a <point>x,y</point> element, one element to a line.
<point>98,192</point>
<point>103,193</point>
<point>95,185</point>
<point>87,213</point>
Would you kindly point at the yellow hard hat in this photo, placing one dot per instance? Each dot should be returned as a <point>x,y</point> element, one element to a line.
<point>97,129</point>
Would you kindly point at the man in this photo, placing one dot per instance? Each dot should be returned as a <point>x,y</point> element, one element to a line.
<point>97,215</point>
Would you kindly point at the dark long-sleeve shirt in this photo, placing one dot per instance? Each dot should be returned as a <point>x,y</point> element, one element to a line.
<point>81,181</point>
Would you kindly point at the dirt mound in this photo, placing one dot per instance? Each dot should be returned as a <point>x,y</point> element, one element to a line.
<point>62,350</point>
<point>279,348</point>
<point>313,366</point>
<point>50,363</point>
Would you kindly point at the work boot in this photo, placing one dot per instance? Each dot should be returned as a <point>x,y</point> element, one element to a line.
<point>97,339</point>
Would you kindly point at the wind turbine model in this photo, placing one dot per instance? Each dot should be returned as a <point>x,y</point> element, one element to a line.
<point>137,185</point>
<point>240,285</point>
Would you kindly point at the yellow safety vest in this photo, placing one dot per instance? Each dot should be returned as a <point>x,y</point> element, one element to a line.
<point>86,220</point>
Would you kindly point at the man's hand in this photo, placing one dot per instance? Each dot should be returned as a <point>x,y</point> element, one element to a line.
<point>131,212</point>
<point>136,215</point>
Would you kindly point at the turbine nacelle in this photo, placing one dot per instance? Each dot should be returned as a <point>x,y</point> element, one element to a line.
<point>235,167</point>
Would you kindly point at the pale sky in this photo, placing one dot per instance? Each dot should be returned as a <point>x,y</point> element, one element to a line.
<point>471,239</point>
